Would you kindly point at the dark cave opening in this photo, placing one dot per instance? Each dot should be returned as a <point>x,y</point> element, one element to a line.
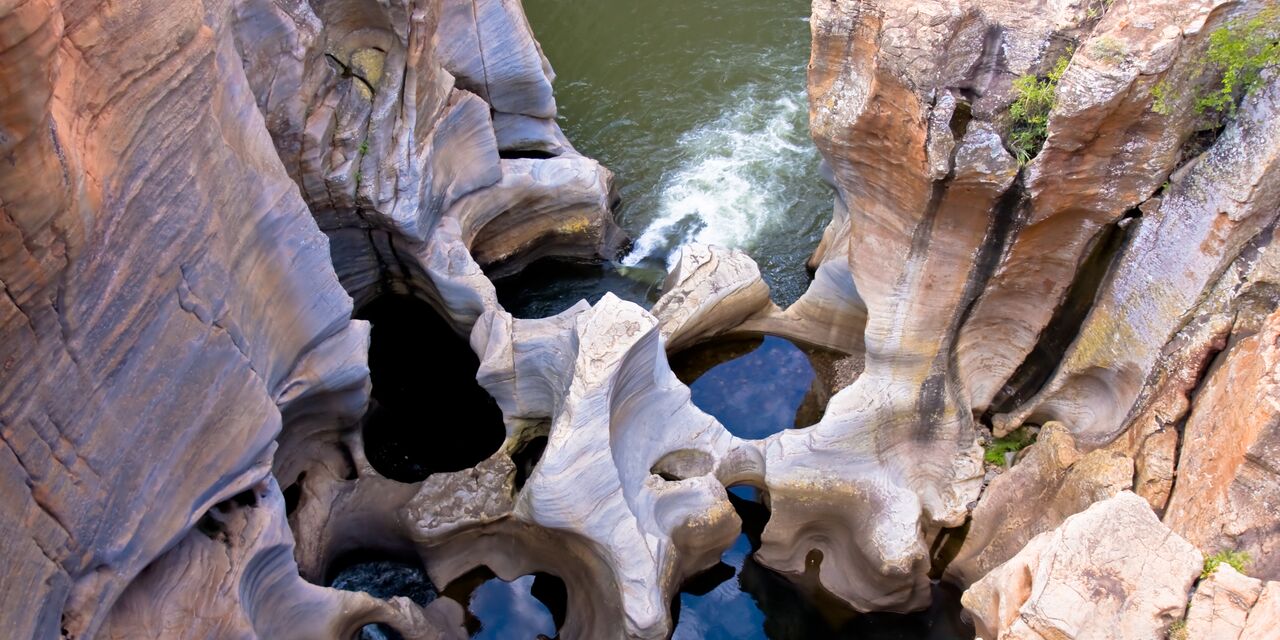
<point>526,459</point>
<point>428,414</point>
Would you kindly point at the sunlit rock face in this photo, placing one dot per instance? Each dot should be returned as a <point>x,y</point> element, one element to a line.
<point>1111,571</point>
<point>199,197</point>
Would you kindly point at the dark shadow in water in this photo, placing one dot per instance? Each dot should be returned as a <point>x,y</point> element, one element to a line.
<point>526,608</point>
<point>428,413</point>
<point>550,285</point>
<point>755,386</point>
<point>751,602</point>
<point>384,579</point>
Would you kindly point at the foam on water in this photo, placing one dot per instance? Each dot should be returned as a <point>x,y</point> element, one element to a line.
<point>732,185</point>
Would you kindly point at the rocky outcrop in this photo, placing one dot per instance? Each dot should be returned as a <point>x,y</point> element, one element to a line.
<point>1232,606</point>
<point>166,296</point>
<point>1227,482</point>
<point>171,308</point>
<point>1111,571</point>
<point>1180,247</point>
<point>1051,481</point>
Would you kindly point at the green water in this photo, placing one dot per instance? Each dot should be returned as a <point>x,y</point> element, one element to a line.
<point>699,108</point>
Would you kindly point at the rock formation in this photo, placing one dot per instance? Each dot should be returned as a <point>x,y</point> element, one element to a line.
<point>1110,571</point>
<point>197,195</point>
<point>1231,606</point>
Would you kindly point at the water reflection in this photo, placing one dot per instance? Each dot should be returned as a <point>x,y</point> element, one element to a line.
<point>526,608</point>
<point>754,386</point>
<point>385,579</point>
<point>752,602</point>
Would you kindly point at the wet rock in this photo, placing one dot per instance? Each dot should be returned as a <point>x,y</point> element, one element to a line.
<point>1111,571</point>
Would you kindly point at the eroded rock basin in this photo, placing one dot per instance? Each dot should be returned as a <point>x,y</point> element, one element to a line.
<point>428,414</point>
<point>758,385</point>
<point>740,599</point>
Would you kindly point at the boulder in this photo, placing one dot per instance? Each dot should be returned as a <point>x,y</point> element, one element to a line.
<point>1111,571</point>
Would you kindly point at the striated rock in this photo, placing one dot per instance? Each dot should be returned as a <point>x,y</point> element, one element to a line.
<point>1227,482</point>
<point>1107,152</point>
<point>1177,251</point>
<point>709,291</point>
<point>166,296</point>
<point>1111,571</point>
<point>1050,482</point>
<point>596,510</point>
<point>244,547</point>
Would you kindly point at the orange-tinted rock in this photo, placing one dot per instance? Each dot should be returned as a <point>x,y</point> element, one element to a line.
<point>1227,485</point>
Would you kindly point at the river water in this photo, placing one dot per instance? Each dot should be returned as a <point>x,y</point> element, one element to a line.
<point>699,108</point>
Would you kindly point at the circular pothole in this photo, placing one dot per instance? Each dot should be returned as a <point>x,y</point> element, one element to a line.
<point>428,414</point>
<point>756,386</point>
<point>549,286</point>
<point>529,607</point>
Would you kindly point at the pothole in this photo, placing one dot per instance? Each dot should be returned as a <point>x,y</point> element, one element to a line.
<point>383,578</point>
<point>428,414</point>
<point>549,286</point>
<point>757,386</point>
<point>529,607</point>
<point>742,600</point>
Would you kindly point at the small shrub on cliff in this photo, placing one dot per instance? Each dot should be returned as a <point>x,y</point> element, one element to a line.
<point>1035,99</point>
<point>1240,51</point>
<point>1015,441</point>
<point>1238,560</point>
<point>1178,630</point>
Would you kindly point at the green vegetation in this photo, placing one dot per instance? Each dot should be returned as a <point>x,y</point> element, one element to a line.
<point>1097,9</point>
<point>1109,49</point>
<point>1238,560</point>
<point>1239,51</point>
<point>1162,92</point>
<point>1016,440</point>
<point>1178,630</point>
<point>364,147</point>
<point>1242,49</point>
<point>1030,110</point>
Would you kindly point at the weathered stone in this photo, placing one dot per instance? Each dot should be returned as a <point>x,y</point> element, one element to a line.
<point>1050,482</point>
<point>1111,571</point>
<point>1227,485</point>
<point>1178,250</point>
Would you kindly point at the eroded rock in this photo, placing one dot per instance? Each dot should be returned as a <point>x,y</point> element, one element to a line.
<point>1111,571</point>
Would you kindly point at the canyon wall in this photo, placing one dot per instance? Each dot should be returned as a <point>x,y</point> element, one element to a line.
<point>199,194</point>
